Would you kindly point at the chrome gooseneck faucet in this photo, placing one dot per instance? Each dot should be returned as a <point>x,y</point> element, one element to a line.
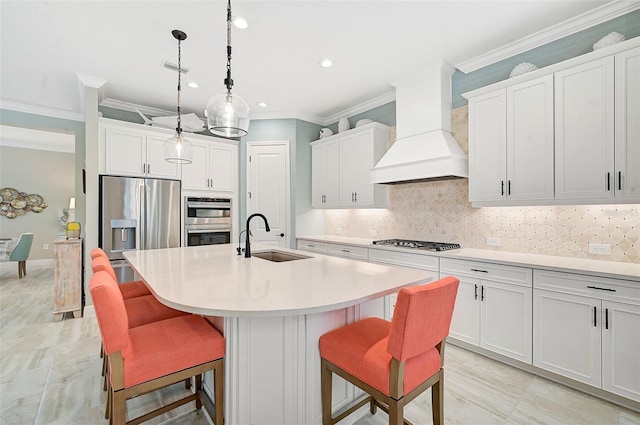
<point>247,244</point>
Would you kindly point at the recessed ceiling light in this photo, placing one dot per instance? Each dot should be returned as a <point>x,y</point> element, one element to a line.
<point>262,104</point>
<point>326,63</point>
<point>240,23</point>
<point>193,84</point>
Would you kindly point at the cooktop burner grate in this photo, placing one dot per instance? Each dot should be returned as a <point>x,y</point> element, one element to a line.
<point>426,245</point>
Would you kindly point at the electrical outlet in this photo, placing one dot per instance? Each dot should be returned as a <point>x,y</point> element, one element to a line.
<point>600,248</point>
<point>339,230</point>
<point>493,241</point>
<point>373,232</point>
<point>45,246</point>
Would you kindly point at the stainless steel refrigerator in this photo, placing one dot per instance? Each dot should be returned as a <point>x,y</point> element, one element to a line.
<point>137,213</point>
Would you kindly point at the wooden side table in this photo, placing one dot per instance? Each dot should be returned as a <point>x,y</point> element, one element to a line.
<point>68,286</point>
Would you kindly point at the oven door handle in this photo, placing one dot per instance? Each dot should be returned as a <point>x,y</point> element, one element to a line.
<point>208,230</point>
<point>209,206</point>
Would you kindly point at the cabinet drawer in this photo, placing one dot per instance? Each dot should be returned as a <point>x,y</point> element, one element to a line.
<point>320,247</point>
<point>359,252</point>
<point>506,274</point>
<point>592,286</point>
<point>407,259</point>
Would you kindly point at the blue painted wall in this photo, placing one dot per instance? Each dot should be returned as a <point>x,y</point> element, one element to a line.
<point>554,52</point>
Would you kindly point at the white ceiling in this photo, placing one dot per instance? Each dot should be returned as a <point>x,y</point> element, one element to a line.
<point>372,43</point>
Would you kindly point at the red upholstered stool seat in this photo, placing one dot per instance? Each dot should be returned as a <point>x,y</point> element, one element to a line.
<point>155,355</point>
<point>361,348</point>
<point>396,361</point>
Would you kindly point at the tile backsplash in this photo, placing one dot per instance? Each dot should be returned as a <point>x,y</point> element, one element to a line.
<point>441,212</point>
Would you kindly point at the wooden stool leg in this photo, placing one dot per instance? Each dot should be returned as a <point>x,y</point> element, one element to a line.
<point>19,269</point>
<point>396,412</point>
<point>325,395</point>
<point>118,408</point>
<point>187,383</point>
<point>24,267</point>
<point>107,413</point>
<point>218,392</point>
<point>437,400</point>
<point>198,387</point>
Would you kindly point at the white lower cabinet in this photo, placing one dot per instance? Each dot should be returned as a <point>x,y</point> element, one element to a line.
<point>493,307</point>
<point>588,329</point>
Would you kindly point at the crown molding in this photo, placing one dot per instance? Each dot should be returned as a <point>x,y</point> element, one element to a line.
<point>570,26</point>
<point>315,119</point>
<point>41,110</point>
<point>27,138</point>
<point>363,107</point>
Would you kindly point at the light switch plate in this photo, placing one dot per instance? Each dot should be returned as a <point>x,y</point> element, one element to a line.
<point>600,248</point>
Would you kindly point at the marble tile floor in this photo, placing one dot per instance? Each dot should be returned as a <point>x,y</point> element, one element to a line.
<point>50,374</point>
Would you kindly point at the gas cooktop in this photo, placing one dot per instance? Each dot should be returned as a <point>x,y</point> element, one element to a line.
<point>429,246</point>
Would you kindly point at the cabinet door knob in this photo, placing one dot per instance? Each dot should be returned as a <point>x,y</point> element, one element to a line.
<point>281,235</point>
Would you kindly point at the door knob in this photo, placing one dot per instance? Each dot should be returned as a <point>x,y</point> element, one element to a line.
<point>281,235</point>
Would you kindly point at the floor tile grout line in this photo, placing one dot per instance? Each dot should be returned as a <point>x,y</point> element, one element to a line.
<point>44,391</point>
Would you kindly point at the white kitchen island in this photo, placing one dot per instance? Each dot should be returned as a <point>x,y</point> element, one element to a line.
<point>272,314</point>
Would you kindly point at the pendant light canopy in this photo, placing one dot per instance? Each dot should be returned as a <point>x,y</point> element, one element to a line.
<point>227,113</point>
<point>177,149</point>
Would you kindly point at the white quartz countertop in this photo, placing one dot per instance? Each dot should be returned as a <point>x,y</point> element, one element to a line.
<point>611,269</point>
<point>214,280</point>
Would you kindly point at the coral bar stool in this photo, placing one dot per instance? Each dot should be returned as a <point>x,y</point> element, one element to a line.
<point>100,261</point>
<point>156,355</point>
<point>395,361</point>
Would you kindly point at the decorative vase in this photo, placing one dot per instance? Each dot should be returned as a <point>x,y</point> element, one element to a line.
<point>343,125</point>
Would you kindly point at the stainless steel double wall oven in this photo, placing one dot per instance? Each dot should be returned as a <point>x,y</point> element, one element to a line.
<point>207,221</point>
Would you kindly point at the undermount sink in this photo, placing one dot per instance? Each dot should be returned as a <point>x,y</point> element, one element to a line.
<point>278,256</point>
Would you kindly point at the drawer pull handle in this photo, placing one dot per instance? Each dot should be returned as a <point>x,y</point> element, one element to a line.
<point>311,246</point>
<point>345,250</point>
<point>601,289</point>
<point>478,270</point>
<point>595,316</point>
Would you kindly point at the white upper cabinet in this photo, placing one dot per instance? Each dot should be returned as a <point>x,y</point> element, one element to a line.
<point>487,147</point>
<point>568,133</point>
<point>627,124</point>
<point>325,181</point>
<point>584,130</point>
<point>125,151</point>
<point>341,168</point>
<point>511,143</point>
<point>133,152</point>
<point>530,140</point>
<point>214,166</point>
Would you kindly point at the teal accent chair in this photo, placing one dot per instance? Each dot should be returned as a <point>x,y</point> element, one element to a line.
<point>21,252</point>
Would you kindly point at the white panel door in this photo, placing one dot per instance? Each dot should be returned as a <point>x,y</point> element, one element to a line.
<point>125,152</point>
<point>627,146</point>
<point>365,161</point>
<point>156,164</point>
<point>465,323</point>
<point>223,166</point>
<point>318,175</point>
<point>620,349</point>
<point>487,147</point>
<point>195,176</point>
<point>506,319</point>
<point>584,128</point>
<point>566,335</point>
<point>530,140</point>
<point>332,188</point>
<point>268,191</point>
<point>348,169</point>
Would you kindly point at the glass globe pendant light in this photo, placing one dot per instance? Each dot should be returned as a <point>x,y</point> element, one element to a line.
<point>227,113</point>
<point>177,149</point>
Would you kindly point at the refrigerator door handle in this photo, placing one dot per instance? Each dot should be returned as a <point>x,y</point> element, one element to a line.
<point>141,218</point>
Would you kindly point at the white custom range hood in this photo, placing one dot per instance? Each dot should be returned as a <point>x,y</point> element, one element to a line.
<point>424,149</point>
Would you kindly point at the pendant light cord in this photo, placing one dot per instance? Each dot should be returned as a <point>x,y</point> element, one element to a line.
<point>179,129</point>
<point>228,81</point>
